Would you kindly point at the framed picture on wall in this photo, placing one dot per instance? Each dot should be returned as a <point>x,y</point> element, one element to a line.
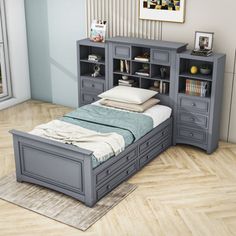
<point>163,10</point>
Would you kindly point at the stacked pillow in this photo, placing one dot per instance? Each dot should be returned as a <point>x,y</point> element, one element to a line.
<point>129,98</point>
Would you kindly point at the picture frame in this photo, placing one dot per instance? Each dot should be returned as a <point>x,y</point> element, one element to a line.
<point>203,40</point>
<point>163,10</point>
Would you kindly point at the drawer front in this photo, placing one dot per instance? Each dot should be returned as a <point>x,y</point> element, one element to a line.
<point>93,85</point>
<point>199,136</point>
<point>194,104</point>
<point>146,145</point>
<point>160,57</point>
<point>116,166</point>
<point>122,51</point>
<point>116,180</point>
<point>192,119</point>
<point>87,98</point>
<point>152,154</point>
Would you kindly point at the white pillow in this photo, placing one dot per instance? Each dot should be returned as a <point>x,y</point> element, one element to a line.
<point>128,94</point>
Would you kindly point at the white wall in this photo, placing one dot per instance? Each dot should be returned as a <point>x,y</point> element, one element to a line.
<point>201,15</point>
<point>53,27</point>
<point>18,52</point>
<point>66,24</point>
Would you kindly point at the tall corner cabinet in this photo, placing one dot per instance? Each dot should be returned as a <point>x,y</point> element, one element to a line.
<point>197,119</point>
<point>88,86</point>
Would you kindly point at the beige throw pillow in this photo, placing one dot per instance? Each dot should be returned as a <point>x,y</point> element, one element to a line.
<point>130,107</point>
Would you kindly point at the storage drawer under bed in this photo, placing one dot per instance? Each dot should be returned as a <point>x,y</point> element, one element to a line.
<point>149,143</point>
<point>116,166</point>
<point>160,147</point>
<point>116,180</point>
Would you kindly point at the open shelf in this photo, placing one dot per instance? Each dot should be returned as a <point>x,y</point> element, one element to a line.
<point>140,51</point>
<point>196,76</point>
<point>163,87</point>
<point>193,87</point>
<point>186,64</point>
<point>117,66</point>
<point>88,69</point>
<point>102,62</point>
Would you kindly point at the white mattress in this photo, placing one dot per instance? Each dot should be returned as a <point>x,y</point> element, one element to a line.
<point>158,113</point>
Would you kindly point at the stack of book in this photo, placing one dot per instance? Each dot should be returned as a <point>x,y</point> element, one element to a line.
<point>143,72</point>
<point>141,59</point>
<point>128,83</point>
<point>196,88</point>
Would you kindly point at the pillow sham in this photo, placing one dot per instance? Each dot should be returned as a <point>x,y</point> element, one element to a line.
<point>128,94</point>
<point>129,106</point>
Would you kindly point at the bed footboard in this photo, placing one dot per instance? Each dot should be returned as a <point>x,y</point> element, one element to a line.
<point>64,168</point>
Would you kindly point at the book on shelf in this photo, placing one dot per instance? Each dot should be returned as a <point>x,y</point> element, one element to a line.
<point>124,66</point>
<point>162,87</point>
<point>197,88</point>
<point>202,52</point>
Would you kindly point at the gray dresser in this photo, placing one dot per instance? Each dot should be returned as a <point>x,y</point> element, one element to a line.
<point>197,119</point>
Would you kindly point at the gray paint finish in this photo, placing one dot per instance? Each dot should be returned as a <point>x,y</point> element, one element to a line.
<point>36,158</point>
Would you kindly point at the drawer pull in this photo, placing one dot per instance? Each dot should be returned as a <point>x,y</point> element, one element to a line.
<point>93,99</point>
<point>128,158</point>
<point>193,119</point>
<point>93,85</point>
<point>162,146</point>
<point>147,157</point>
<point>191,134</point>
<point>163,133</point>
<point>194,104</point>
<point>127,172</point>
<point>108,187</point>
<point>147,144</point>
<point>108,172</point>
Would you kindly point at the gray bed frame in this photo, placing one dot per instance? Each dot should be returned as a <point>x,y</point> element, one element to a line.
<point>69,170</point>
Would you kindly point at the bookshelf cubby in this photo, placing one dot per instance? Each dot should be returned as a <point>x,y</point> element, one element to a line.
<point>151,64</point>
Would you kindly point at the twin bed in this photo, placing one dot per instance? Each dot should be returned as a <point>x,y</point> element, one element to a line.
<point>88,152</point>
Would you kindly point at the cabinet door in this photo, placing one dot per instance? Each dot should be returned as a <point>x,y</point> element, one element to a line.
<point>122,51</point>
<point>161,57</point>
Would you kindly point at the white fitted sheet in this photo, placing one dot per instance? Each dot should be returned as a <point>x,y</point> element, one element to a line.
<point>158,113</point>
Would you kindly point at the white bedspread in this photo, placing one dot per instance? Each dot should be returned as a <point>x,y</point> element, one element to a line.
<point>103,145</point>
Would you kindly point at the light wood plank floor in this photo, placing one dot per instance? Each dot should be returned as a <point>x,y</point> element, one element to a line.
<point>183,192</point>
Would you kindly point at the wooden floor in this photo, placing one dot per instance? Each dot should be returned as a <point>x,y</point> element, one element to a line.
<point>183,192</point>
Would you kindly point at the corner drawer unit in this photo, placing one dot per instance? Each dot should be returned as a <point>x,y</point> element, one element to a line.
<point>195,104</point>
<point>94,85</point>
<point>122,162</point>
<point>192,134</point>
<point>192,119</point>
<point>88,97</point>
